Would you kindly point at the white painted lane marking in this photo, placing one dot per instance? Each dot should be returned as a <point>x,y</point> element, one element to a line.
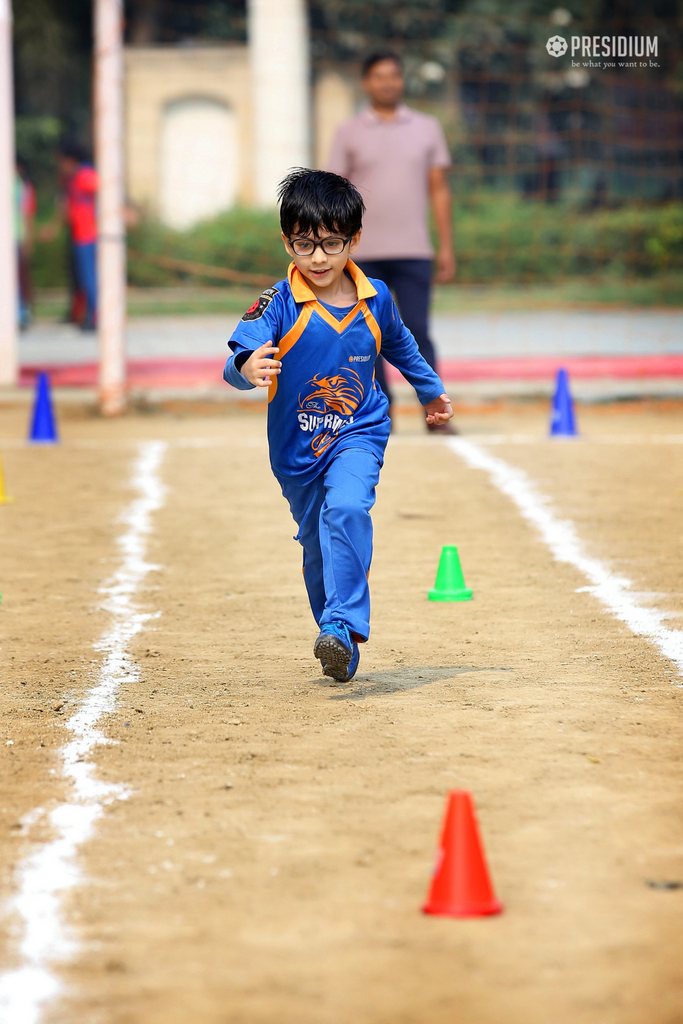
<point>561,537</point>
<point>492,440</point>
<point>630,439</point>
<point>49,872</point>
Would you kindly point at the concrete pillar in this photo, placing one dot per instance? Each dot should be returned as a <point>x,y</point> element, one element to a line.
<point>8,245</point>
<point>279,60</point>
<point>111,246</point>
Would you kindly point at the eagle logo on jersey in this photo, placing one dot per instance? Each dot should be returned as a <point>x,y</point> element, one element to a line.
<point>341,393</point>
<point>329,406</point>
<point>256,311</point>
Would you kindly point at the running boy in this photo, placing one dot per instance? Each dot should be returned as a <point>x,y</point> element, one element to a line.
<point>312,340</point>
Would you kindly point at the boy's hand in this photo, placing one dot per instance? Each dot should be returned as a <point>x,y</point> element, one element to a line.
<point>260,366</point>
<point>439,410</point>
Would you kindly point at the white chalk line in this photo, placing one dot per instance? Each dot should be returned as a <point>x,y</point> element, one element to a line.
<point>629,439</point>
<point>562,540</point>
<point>52,870</point>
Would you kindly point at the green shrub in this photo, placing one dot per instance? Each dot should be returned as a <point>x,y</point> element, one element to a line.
<point>36,137</point>
<point>510,238</point>
<point>50,263</point>
<point>244,240</point>
<point>497,238</point>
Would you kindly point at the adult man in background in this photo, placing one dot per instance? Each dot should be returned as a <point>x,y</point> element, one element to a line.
<point>397,158</point>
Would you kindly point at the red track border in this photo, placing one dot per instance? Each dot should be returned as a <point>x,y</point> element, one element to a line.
<point>201,373</point>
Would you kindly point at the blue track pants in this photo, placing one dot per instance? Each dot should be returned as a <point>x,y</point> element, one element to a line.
<point>85,260</point>
<point>335,531</point>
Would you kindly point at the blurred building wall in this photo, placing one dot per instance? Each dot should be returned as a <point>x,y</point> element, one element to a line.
<point>190,146</point>
<point>208,126</point>
<point>177,100</point>
<point>199,161</point>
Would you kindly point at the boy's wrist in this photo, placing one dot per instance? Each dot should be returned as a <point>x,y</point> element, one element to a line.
<point>240,359</point>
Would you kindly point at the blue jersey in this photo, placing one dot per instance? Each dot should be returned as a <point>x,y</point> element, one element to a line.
<point>325,397</point>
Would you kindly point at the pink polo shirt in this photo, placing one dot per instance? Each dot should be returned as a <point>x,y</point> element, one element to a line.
<point>389,163</point>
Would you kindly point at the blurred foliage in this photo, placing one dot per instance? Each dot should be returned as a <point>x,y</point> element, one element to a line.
<point>506,238</point>
<point>36,137</point>
<point>246,240</point>
<point>50,263</point>
<point>52,57</point>
<point>498,238</point>
<point>176,21</point>
<point>242,239</point>
<point>52,61</point>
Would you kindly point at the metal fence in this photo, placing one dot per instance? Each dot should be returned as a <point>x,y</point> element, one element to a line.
<point>520,119</point>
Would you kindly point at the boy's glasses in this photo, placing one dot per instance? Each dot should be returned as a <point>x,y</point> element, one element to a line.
<point>330,246</point>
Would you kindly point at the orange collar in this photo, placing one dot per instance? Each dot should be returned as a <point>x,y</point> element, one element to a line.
<point>302,292</point>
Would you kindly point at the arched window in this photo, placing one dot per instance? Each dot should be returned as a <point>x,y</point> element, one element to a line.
<point>198,161</point>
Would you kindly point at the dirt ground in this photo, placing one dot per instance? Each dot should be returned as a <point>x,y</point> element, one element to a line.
<point>277,843</point>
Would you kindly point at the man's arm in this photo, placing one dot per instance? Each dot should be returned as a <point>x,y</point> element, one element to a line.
<point>440,198</point>
<point>338,160</point>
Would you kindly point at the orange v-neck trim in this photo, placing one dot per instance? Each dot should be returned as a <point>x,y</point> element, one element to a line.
<point>333,321</point>
<point>302,291</point>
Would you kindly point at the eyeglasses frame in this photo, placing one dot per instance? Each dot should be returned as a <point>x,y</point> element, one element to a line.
<point>321,244</point>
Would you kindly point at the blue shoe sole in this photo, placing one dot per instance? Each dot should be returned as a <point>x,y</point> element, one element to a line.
<point>341,675</point>
<point>335,656</point>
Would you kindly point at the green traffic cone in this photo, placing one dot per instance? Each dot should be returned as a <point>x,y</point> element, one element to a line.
<point>450,582</point>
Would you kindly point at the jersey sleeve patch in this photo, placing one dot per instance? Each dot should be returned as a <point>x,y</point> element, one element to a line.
<point>256,311</point>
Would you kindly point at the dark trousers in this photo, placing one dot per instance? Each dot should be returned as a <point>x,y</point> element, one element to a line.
<point>411,283</point>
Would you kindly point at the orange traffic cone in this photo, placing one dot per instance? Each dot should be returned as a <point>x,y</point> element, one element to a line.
<point>461,885</point>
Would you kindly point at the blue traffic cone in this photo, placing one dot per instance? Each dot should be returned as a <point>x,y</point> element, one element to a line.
<point>43,428</point>
<point>562,421</point>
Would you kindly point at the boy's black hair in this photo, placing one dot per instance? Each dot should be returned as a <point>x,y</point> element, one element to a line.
<point>310,200</point>
<point>376,57</point>
<point>73,150</point>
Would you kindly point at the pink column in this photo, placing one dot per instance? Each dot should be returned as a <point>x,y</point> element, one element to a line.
<point>111,249</point>
<point>8,245</point>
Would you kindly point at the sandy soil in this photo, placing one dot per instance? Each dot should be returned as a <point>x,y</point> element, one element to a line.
<point>271,860</point>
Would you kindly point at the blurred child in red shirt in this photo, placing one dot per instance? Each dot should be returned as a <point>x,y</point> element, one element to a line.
<point>79,209</point>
